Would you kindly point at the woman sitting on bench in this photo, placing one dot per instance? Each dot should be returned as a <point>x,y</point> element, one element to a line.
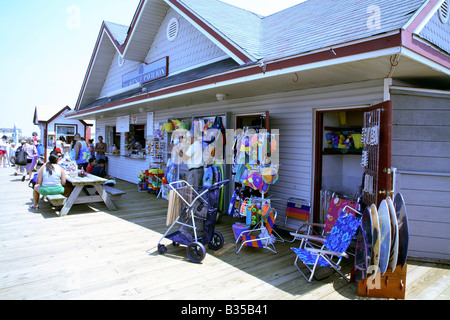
<point>50,181</point>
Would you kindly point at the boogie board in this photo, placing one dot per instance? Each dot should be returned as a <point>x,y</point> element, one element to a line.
<point>393,256</point>
<point>375,256</point>
<point>385,236</point>
<point>222,190</point>
<point>403,229</point>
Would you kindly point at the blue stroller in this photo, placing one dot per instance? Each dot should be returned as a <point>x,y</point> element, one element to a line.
<point>197,220</point>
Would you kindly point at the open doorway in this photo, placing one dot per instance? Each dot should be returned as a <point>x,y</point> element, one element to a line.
<point>339,161</point>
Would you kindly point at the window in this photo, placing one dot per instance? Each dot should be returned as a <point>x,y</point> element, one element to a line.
<point>67,131</point>
<point>135,140</point>
<point>443,12</point>
<point>112,140</point>
<point>172,29</point>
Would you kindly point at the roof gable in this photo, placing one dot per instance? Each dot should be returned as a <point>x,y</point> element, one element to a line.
<point>436,32</point>
<point>309,27</point>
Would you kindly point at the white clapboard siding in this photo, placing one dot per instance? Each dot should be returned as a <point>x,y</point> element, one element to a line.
<point>420,152</point>
<point>292,114</point>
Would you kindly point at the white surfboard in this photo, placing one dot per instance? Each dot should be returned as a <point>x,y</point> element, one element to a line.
<point>385,236</point>
<point>394,235</point>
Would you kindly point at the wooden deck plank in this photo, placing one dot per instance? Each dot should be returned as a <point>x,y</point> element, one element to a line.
<point>94,253</point>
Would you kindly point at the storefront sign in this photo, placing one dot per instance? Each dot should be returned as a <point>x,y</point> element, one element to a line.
<point>123,124</point>
<point>147,72</point>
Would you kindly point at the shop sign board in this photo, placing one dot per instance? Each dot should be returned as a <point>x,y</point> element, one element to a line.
<point>147,72</point>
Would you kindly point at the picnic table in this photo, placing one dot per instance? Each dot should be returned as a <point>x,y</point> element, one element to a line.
<point>77,197</point>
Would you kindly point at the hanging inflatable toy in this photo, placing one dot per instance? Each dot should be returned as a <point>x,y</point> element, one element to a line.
<point>244,179</point>
<point>264,188</point>
<point>255,181</point>
<point>269,175</point>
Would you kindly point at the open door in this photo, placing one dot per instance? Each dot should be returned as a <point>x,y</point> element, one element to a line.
<point>375,127</point>
<point>377,154</point>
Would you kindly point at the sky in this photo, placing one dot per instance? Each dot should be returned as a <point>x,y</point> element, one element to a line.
<point>46,46</point>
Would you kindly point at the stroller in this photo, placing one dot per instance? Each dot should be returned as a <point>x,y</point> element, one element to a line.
<point>197,220</point>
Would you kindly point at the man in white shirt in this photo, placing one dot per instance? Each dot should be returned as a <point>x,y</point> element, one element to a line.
<point>193,158</point>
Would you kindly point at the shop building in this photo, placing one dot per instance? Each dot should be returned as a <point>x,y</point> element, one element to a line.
<point>53,124</point>
<point>307,71</point>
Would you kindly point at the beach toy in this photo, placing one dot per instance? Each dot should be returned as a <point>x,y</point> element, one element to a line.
<point>244,179</point>
<point>264,188</point>
<point>269,175</point>
<point>255,180</point>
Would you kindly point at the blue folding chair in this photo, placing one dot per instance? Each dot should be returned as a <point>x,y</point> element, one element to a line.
<point>335,247</point>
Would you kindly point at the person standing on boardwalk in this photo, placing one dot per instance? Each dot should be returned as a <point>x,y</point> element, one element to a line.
<point>100,149</point>
<point>81,152</point>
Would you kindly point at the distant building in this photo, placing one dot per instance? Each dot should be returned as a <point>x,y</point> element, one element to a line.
<point>53,124</point>
<point>13,134</point>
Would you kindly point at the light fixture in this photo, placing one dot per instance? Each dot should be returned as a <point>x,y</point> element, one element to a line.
<point>220,96</point>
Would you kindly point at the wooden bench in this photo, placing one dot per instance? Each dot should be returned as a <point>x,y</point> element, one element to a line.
<point>113,192</point>
<point>57,200</point>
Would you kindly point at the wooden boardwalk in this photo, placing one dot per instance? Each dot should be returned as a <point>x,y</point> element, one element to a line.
<point>96,254</point>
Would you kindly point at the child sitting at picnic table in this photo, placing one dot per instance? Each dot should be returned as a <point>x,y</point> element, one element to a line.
<point>99,171</point>
<point>92,163</point>
<point>50,181</point>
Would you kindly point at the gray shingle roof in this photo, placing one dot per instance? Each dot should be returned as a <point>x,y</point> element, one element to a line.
<point>238,25</point>
<point>307,26</point>
<point>118,31</point>
<point>317,24</point>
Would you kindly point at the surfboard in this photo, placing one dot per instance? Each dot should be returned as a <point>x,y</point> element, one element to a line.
<point>393,256</point>
<point>403,229</point>
<point>385,236</point>
<point>375,256</point>
<point>367,227</point>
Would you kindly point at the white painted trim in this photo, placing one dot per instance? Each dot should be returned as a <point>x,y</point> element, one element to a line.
<point>362,106</point>
<point>368,55</point>
<point>386,92</point>
<point>132,33</point>
<point>436,66</point>
<point>428,17</point>
<point>431,91</point>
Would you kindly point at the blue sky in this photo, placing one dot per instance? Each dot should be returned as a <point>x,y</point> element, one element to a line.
<point>46,46</point>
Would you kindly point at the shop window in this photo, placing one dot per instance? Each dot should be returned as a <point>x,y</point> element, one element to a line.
<point>135,140</point>
<point>112,140</point>
<point>68,132</point>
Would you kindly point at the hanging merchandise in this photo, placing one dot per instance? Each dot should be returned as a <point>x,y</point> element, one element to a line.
<point>269,175</point>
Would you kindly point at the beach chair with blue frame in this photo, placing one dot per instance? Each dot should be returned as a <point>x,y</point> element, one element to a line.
<point>333,250</point>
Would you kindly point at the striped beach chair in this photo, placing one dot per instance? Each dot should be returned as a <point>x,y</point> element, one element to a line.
<point>259,237</point>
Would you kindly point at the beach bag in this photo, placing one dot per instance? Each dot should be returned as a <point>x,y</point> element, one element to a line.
<point>21,157</point>
<point>40,149</point>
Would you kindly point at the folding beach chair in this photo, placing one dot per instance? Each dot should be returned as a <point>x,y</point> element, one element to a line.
<point>335,208</point>
<point>334,248</point>
<point>265,239</point>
